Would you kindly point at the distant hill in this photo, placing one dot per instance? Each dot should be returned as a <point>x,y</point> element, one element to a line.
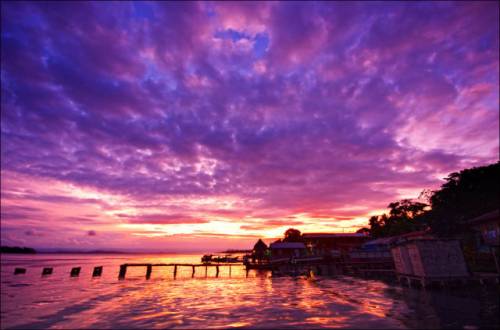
<point>16,249</point>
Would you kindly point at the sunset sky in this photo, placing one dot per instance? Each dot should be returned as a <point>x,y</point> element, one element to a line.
<point>202,126</point>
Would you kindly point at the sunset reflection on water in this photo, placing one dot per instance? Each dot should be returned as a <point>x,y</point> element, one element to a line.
<point>58,301</point>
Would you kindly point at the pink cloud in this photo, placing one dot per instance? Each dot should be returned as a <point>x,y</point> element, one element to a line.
<point>247,117</point>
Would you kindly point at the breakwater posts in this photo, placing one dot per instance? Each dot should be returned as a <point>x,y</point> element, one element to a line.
<point>19,271</point>
<point>475,279</point>
<point>47,271</point>
<point>97,271</point>
<point>75,271</point>
<point>149,268</point>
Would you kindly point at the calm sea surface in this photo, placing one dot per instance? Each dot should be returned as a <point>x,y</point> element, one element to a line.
<point>259,301</point>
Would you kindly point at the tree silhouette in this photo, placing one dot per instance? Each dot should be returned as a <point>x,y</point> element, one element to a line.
<point>292,235</point>
<point>404,216</point>
<point>363,230</point>
<point>464,195</point>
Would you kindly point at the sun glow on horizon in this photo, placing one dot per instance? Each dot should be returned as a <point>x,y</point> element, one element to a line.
<point>214,124</point>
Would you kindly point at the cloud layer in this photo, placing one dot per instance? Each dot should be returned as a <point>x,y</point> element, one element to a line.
<point>125,120</point>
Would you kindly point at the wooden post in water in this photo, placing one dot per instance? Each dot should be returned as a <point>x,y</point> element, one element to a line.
<point>206,271</point>
<point>149,270</point>
<point>97,271</point>
<point>192,275</point>
<point>123,271</point>
<point>75,271</point>
<point>229,270</point>
<point>175,271</point>
<point>47,271</point>
<point>19,271</point>
<point>217,271</point>
<point>247,272</point>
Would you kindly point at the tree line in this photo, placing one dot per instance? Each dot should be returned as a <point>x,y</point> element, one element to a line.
<point>16,249</point>
<point>464,195</point>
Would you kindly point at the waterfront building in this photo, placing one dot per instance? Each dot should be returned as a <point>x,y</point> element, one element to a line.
<point>260,251</point>
<point>488,226</point>
<point>376,254</point>
<point>287,249</point>
<point>487,234</point>
<point>428,259</point>
<point>333,244</point>
<point>377,249</point>
<point>385,243</point>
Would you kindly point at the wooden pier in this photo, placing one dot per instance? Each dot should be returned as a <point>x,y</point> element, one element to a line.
<point>149,268</point>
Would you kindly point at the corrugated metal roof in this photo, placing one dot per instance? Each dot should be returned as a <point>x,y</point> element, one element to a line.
<point>394,239</point>
<point>287,245</point>
<point>381,241</point>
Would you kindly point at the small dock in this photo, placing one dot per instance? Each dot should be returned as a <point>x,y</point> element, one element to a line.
<point>149,268</point>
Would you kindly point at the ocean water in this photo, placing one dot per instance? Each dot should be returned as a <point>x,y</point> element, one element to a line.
<point>231,300</point>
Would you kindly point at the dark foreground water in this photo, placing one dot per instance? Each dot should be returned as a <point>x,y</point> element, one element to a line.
<point>259,301</point>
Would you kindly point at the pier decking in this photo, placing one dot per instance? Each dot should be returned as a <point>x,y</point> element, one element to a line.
<point>294,269</point>
<point>149,268</point>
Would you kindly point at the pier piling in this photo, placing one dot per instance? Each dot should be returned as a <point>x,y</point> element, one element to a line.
<point>97,271</point>
<point>149,267</point>
<point>19,271</point>
<point>75,271</point>
<point>123,271</point>
<point>47,271</point>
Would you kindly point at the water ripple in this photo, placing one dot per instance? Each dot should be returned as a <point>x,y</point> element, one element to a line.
<point>260,301</point>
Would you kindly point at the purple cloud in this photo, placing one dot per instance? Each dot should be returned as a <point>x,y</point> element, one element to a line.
<point>164,219</point>
<point>288,108</point>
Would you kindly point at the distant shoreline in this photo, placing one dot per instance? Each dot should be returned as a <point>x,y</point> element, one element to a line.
<point>236,251</point>
<point>28,250</point>
<point>43,252</point>
<point>17,250</point>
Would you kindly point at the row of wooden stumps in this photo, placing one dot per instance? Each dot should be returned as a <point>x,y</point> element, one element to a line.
<point>149,268</point>
<point>75,271</point>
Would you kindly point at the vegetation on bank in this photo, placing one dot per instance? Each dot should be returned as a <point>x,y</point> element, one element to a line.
<point>465,195</point>
<point>16,249</point>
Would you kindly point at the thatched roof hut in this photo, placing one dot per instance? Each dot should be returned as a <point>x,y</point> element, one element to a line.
<point>260,246</point>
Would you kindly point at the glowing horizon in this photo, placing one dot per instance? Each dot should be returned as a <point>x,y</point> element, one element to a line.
<point>177,126</point>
